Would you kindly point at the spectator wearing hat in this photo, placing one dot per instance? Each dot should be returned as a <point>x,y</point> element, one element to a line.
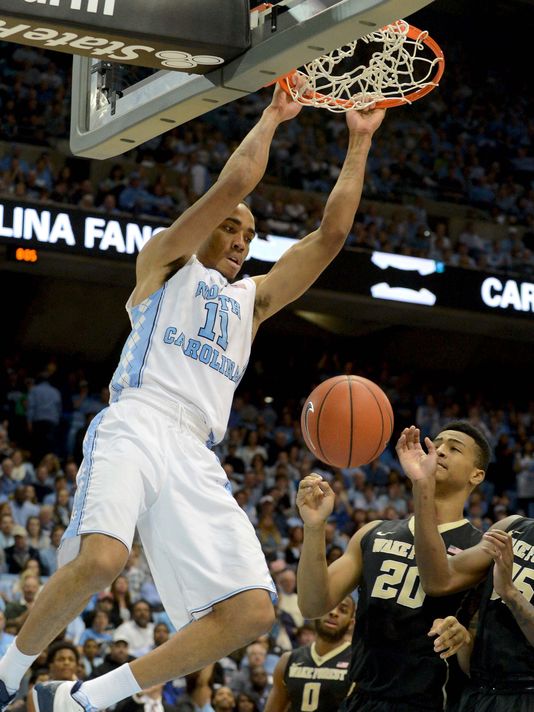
<point>118,655</point>
<point>21,552</point>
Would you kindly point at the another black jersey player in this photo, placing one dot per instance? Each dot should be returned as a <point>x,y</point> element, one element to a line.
<point>502,661</point>
<point>394,661</point>
<point>316,677</point>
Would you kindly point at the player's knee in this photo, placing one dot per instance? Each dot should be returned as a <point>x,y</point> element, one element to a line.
<point>102,558</point>
<point>255,613</point>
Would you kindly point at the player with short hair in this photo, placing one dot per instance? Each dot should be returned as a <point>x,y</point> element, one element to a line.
<point>502,660</point>
<point>147,457</point>
<point>315,676</point>
<point>396,665</point>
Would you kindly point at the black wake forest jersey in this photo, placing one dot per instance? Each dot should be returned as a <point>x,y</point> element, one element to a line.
<point>315,683</point>
<point>502,656</point>
<point>393,657</point>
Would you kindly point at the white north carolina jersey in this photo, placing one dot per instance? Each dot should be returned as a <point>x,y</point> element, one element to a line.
<point>190,342</point>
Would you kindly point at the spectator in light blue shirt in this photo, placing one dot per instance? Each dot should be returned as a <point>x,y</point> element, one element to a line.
<point>43,416</point>
<point>99,629</point>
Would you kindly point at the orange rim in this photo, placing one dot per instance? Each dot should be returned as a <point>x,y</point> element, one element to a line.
<point>413,33</point>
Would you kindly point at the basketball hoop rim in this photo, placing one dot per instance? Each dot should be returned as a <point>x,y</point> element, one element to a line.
<point>414,33</point>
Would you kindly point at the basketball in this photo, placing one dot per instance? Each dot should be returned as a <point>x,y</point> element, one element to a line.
<point>347,421</point>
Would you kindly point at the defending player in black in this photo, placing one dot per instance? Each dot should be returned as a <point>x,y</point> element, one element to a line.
<point>396,664</point>
<point>502,662</point>
<point>315,677</point>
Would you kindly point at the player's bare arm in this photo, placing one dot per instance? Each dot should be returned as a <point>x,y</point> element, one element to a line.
<point>440,574</point>
<point>499,546</point>
<point>242,172</point>
<point>321,587</point>
<point>300,266</point>
<point>278,700</point>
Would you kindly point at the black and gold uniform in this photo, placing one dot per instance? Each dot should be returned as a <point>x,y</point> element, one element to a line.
<point>394,664</point>
<point>315,683</point>
<point>502,662</point>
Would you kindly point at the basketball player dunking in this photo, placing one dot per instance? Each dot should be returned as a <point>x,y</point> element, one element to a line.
<point>147,460</point>
<point>396,665</point>
<point>502,661</point>
<point>316,677</point>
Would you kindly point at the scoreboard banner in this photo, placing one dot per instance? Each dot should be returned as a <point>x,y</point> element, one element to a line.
<point>376,275</point>
<point>190,35</point>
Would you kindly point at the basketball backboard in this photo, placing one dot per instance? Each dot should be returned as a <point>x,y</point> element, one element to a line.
<point>105,123</point>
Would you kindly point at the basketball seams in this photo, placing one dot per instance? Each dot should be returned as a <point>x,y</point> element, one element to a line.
<point>349,383</point>
<point>381,440</point>
<point>318,419</point>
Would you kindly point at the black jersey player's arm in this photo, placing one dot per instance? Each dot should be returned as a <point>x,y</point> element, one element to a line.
<point>321,587</point>
<point>278,700</point>
<point>500,546</point>
<point>464,653</point>
<point>242,172</point>
<point>300,266</point>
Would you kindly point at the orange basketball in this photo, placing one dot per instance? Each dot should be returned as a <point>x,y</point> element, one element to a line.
<point>347,421</point>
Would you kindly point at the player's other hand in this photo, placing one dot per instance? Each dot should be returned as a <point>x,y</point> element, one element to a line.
<point>416,463</point>
<point>366,121</point>
<point>315,500</point>
<point>452,635</point>
<point>284,105</point>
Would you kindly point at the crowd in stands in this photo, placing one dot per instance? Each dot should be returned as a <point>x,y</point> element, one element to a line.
<point>43,420</point>
<point>461,144</point>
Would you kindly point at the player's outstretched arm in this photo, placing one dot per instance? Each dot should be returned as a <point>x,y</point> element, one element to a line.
<point>321,587</point>
<point>242,172</point>
<point>300,266</point>
<point>278,700</point>
<point>499,546</point>
<point>440,575</point>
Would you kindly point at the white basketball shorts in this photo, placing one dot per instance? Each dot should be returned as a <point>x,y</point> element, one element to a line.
<point>147,465</point>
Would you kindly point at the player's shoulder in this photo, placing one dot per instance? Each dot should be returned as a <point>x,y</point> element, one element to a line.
<point>358,536</point>
<point>507,522</point>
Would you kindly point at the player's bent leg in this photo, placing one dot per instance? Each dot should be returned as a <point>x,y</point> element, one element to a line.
<point>65,595</point>
<point>232,624</point>
<point>100,560</point>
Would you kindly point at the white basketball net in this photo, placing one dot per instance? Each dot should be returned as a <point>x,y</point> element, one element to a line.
<point>389,75</point>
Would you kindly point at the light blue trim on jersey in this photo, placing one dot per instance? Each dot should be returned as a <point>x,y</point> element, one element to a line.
<point>134,356</point>
<point>84,477</point>
<point>273,594</point>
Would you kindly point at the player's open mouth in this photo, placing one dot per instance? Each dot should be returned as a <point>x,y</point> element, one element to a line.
<point>234,260</point>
